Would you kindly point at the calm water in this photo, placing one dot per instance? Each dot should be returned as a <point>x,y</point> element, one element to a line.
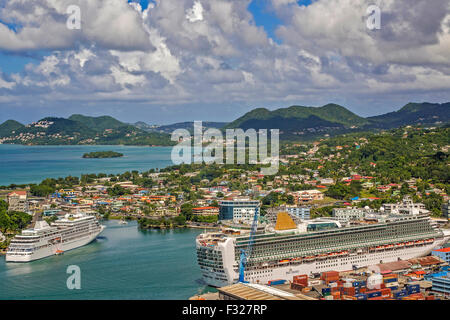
<point>123,264</point>
<point>30,164</point>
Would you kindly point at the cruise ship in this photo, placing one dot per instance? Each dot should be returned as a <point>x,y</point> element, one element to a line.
<point>44,240</point>
<point>312,246</point>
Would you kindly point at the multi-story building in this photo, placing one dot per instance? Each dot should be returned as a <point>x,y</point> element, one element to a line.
<point>239,210</point>
<point>302,212</point>
<point>348,214</point>
<point>444,254</point>
<point>17,201</point>
<point>441,284</point>
<point>205,211</point>
<point>446,210</point>
<point>307,196</point>
<point>407,206</point>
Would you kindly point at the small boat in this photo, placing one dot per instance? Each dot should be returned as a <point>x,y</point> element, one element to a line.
<point>123,222</point>
<point>59,252</point>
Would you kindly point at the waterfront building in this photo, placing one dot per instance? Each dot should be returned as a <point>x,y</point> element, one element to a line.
<point>17,201</point>
<point>205,211</point>
<point>239,210</point>
<point>348,214</point>
<point>407,206</point>
<point>443,253</point>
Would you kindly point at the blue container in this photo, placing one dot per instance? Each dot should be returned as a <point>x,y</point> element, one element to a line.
<point>361,296</point>
<point>394,288</point>
<point>390,280</point>
<point>413,288</point>
<point>374,294</point>
<point>363,283</point>
<point>356,284</point>
<point>400,294</point>
<point>276,282</point>
<point>326,290</point>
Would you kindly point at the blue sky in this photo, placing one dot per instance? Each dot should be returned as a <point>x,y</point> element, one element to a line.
<point>214,59</point>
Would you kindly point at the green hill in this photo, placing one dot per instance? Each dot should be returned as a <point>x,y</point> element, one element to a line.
<point>9,126</point>
<point>300,121</point>
<point>79,129</point>
<point>413,114</point>
<point>98,124</point>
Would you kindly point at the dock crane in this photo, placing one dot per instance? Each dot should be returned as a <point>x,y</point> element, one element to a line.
<point>245,254</point>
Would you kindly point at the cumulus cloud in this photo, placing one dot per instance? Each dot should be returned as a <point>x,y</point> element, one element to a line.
<point>185,52</point>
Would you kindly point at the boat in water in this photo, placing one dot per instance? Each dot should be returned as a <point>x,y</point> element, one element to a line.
<point>314,246</point>
<point>44,240</point>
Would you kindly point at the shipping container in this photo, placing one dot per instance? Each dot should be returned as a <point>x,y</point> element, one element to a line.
<point>361,296</point>
<point>276,282</point>
<point>373,294</point>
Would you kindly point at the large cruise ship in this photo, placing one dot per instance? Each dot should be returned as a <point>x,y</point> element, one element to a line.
<point>288,249</point>
<point>70,232</point>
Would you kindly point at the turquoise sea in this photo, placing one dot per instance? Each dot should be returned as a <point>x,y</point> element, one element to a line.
<point>31,164</point>
<point>124,263</point>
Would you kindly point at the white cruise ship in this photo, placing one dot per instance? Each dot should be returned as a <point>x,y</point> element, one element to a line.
<point>70,232</point>
<point>314,246</point>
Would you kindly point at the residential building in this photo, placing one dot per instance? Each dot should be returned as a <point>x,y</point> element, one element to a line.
<point>348,214</point>
<point>205,211</point>
<point>17,201</point>
<point>242,210</point>
<point>407,206</point>
<point>307,196</point>
<point>302,212</point>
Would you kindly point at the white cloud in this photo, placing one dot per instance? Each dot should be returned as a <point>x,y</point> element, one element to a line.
<point>195,13</point>
<point>212,52</point>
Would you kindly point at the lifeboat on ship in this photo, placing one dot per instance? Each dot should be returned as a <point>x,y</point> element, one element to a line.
<point>419,242</point>
<point>310,258</point>
<point>409,244</point>
<point>429,241</point>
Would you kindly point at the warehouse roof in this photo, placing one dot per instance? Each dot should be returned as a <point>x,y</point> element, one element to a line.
<point>256,292</point>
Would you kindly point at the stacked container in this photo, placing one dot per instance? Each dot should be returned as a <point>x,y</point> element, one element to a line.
<point>330,276</point>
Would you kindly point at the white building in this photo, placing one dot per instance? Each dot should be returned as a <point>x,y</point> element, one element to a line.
<point>348,214</point>
<point>407,206</point>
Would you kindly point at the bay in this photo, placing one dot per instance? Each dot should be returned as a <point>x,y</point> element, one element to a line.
<point>31,164</point>
<point>123,263</point>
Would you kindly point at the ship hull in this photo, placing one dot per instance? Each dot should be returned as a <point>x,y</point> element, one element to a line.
<point>54,249</point>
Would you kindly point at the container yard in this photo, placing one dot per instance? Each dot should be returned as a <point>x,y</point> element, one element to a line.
<point>365,285</point>
<point>415,279</point>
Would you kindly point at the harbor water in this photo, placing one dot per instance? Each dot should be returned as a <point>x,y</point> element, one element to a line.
<point>123,263</point>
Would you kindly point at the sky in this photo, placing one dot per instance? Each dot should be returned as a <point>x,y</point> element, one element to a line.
<point>162,61</point>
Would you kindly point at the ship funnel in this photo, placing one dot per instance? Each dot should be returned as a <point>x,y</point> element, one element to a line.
<point>284,222</point>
